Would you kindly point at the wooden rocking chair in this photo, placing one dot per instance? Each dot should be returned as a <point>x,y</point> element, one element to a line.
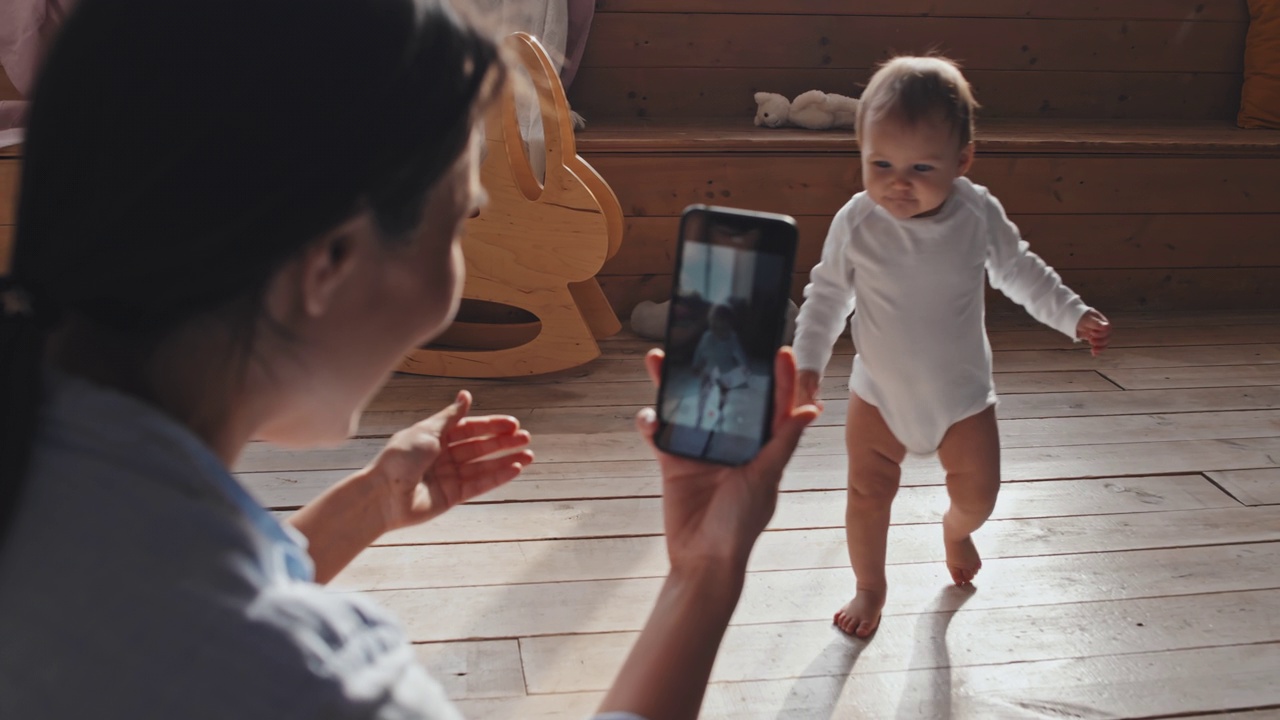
<point>537,247</point>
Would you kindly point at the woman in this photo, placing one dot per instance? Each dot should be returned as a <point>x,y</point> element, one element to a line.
<point>236,216</point>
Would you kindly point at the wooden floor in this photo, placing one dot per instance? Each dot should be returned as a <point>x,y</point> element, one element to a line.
<point>1132,568</point>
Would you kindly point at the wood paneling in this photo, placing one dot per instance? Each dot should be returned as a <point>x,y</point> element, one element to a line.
<point>10,168</point>
<point>1119,289</point>
<point>1126,231</point>
<point>1064,241</point>
<point>666,184</point>
<point>686,40</point>
<point>6,247</point>
<point>729,92</point>
<point>995,136</point>
<point>1185,10</point>
<point>1181,215</point>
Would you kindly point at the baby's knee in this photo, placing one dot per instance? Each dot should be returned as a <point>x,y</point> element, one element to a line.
<point>870,491</point>
<point>977,498</point>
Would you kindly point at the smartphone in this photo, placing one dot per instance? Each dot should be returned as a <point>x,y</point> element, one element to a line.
<point>725,324</point>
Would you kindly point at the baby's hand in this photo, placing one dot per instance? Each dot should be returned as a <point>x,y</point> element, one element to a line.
<point>1095,329</point>
<point>807,382</point>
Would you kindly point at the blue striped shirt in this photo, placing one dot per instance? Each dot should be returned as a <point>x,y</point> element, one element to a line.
<point>139,580</point>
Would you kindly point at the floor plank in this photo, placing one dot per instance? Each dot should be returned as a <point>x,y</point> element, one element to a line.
<point>472,670</point>
<point>1142,486</point>
<point>617,440</point>
<point>1069,394</point>
<point>428,398</point>
<point>1133,402</point>
<point>1251,487</point>
<point>603,606</point>
<point>1044,338</point>
<point>1160,684</point>
<point>816,509</point>
<point>1196,377</point>
<point>404,567</point>
<point>629,369</point>
<point>397,409</point>
<point>947,635</point>
<point>639,478</point>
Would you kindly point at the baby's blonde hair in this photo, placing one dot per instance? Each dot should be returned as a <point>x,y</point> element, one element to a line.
<point>912,89</point>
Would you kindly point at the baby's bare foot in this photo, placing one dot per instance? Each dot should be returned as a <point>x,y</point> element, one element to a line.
<point>861,616</point>
<point>963,560</point>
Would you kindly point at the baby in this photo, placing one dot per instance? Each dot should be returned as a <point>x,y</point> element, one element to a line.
<point>912,250</point>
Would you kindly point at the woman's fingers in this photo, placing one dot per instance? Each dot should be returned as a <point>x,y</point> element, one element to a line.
<point>653,365</point>
<point>502,468</point>
<point>473,427</point>
<point>647,424</point>
<point>789,421</point>
<point>470,450</point>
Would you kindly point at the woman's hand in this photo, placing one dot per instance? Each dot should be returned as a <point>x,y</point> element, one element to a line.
<point>424,470</point>
<point>446,460</point>
<point>714,513</point>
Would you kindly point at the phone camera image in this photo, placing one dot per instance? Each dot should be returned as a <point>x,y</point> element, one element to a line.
<point>723,332</point>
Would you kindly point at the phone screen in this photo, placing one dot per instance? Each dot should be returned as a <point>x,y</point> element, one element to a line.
<point>728,309</point>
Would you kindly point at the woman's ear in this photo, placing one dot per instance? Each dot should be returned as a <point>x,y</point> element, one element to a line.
<point>966,159</point>
<point>331,260</point>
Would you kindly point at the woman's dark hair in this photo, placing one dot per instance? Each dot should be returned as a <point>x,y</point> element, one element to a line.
<point>178,153</point>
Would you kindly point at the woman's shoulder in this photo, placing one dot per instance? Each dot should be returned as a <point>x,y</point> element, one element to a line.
<point>129,563</point>
<point>294,650</point>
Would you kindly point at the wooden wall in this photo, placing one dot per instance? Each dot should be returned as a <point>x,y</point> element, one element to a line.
<point>1155,233</point>
<point>1187,218</point>
<point>1163,60</point>
<point>8,200</point>
<point>8,181</point>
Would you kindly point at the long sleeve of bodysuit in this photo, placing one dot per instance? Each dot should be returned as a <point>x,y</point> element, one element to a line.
<point>1025,278</point>
<point>828,298</point>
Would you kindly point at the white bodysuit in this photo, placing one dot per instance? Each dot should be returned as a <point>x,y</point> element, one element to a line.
<point>923,357</point>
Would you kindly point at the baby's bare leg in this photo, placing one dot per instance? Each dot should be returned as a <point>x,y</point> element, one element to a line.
<point>875,459</point>
<point>970,453</point>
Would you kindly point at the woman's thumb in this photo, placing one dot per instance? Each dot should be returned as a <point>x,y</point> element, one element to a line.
<point>647,424</point>
<point>786,437</point>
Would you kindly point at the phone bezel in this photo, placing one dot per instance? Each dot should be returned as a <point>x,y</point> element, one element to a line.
<point>782,237</point>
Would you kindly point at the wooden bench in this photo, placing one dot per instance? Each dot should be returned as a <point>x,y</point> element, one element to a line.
<point>10,163</point>
<point>1107,131</point>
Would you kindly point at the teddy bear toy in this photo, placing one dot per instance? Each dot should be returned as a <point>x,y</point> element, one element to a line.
<point>814,110</point>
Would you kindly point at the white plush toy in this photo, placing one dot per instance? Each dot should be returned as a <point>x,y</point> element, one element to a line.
<point>814,110</point>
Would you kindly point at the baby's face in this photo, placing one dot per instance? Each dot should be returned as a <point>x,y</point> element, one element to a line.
<point>908,171</point>
<point>720,326</point>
